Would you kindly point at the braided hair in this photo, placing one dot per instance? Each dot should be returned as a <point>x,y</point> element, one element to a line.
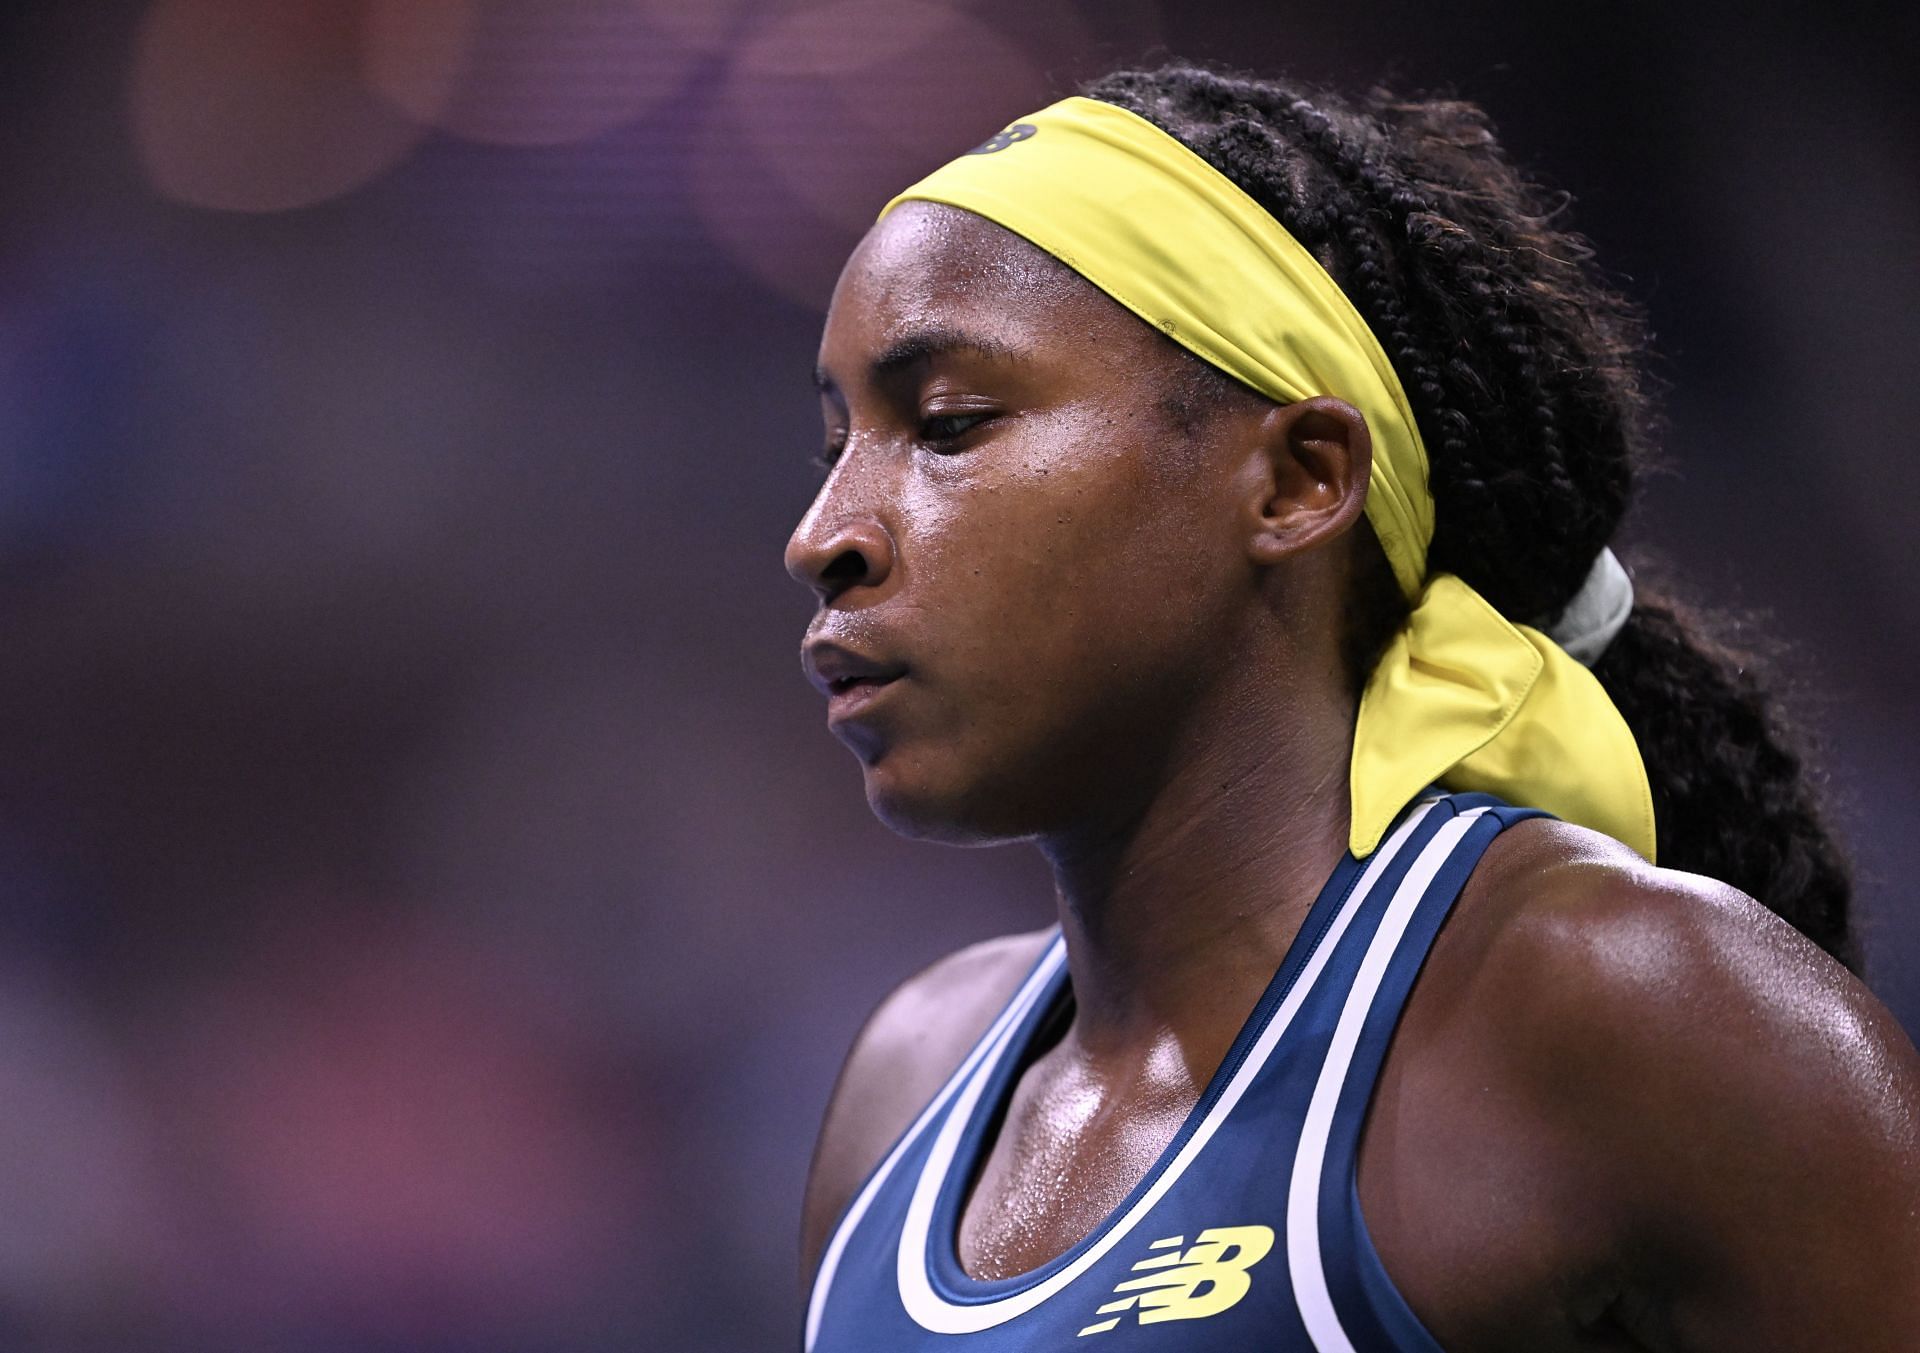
<point>1524,369</point>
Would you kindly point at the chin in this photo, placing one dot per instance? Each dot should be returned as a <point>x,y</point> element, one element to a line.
<point>919,808</point>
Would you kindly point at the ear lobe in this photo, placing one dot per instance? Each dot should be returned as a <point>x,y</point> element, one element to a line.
<point>1317,454</point>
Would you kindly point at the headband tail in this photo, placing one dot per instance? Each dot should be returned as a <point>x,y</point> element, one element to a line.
<point>1464,698</point>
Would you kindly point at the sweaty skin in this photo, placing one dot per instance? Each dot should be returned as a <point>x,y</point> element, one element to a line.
<point>1624,1108</point>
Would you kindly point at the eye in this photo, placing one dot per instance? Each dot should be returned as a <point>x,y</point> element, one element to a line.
<point>937,429</point>
<point>830,453</point>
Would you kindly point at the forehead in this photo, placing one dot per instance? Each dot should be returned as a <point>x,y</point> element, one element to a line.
<point>927,265</point>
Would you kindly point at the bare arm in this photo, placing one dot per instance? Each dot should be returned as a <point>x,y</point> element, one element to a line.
<point>1757,1110</point>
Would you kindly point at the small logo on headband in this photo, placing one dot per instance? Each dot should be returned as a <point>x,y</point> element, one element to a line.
<point>1019,131</point>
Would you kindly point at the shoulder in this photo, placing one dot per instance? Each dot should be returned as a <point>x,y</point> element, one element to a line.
<point>1747,1106</point>
<point>905,1052</point>
<point>1596,945</point>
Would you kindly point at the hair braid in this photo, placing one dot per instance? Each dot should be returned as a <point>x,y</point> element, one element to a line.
<point>1524,369</point>
<point>1395,202</point>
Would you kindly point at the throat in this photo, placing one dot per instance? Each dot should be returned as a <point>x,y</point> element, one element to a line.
<point>1129,1048</point>
<point>1178,921</point>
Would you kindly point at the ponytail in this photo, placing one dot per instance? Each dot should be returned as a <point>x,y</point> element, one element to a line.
<point>1731,797</point>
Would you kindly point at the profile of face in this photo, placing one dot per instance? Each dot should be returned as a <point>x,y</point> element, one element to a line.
<point>1033,560</point>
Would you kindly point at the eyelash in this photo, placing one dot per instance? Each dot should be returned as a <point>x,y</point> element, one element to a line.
<point>831,455</point>
<point>972,420</point>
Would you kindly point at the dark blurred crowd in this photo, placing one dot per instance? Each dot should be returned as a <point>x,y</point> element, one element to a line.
<point>431,910</point>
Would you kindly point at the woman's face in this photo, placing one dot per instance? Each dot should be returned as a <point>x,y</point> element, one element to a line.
<point>1028,570</point>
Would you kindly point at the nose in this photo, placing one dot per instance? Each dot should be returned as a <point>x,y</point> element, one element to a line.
<point>834,549</point>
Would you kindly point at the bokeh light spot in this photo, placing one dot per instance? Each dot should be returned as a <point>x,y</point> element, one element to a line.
<point>250,107</point>
<point>415,52</point>
<point>526,72</point>
<point>827,112</point>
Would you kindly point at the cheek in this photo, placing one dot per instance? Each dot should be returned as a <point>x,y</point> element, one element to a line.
<point>1059,582</point>
<point>1076,502</point>
<point>1063,609</point>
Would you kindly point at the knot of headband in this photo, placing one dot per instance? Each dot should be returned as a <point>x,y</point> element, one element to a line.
<point>1462,696</point>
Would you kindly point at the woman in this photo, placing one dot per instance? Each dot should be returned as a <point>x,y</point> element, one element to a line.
<point>1265,620</point>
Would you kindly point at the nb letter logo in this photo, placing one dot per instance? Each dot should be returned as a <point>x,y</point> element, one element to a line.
<point>1177,1284</point>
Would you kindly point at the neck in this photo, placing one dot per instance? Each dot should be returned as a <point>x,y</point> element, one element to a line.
<point>1176,918</point>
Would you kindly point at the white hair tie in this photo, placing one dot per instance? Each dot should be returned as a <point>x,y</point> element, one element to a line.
<point>1597,611</point>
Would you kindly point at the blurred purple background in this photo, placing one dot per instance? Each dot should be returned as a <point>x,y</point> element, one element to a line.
<point>431,909</point>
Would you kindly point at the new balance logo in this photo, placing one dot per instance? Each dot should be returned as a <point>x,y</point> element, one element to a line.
<point>1179,1284</point>
<point>1013,135</point>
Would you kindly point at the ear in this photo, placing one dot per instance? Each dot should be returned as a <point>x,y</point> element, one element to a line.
<point>1310,481</point>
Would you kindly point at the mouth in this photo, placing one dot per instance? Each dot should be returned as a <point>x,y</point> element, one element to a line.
<point>850,696</point>
<point>850,680</point>
<point>842,685</point>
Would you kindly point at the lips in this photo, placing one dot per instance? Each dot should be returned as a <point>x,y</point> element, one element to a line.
<point>849,685</point>
<point>846,676</point>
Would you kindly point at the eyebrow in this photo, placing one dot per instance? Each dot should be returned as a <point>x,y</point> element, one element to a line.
<point>923,345</point>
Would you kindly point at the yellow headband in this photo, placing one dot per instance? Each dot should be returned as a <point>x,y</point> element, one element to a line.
<point>1461,696</point>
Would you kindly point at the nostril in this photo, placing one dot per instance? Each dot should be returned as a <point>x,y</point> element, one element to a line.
<point>845,569</point>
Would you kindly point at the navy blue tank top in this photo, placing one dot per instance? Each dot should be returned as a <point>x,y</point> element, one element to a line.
<point>1246,1233</point>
